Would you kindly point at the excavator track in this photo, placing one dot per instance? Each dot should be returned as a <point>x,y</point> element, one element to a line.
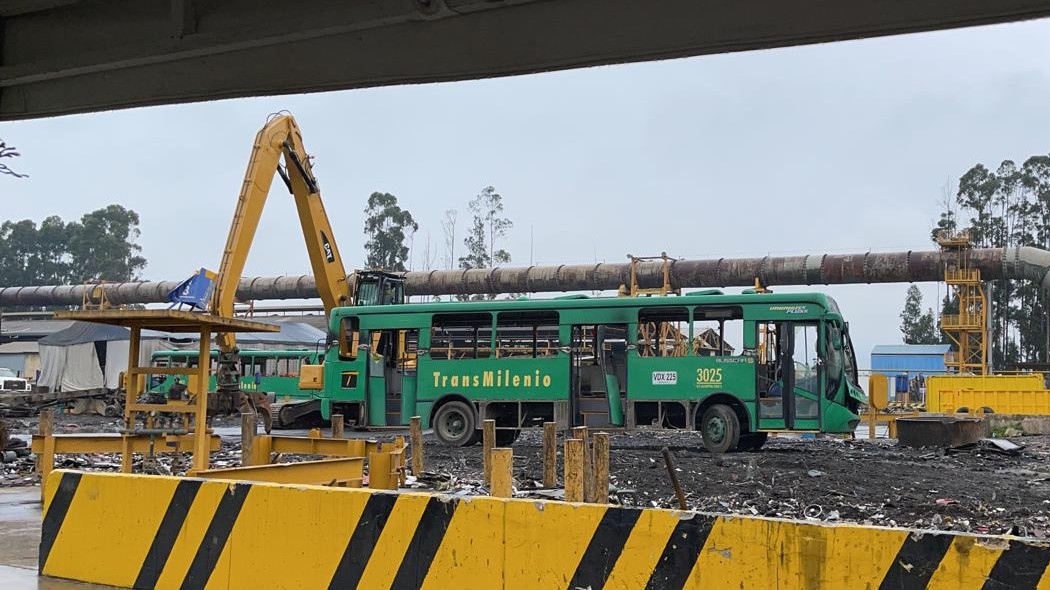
<point>288,414</point>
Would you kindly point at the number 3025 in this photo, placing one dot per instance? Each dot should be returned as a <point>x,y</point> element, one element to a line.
<point>708,376</point>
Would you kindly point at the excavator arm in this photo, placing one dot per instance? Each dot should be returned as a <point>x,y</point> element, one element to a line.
<point>280,139</point>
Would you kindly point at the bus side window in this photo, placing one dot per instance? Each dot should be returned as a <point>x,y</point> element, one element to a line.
<point>663,331</point>
<point>717,331</point>
<point>530,334</point>
<point>461,336</point>
<point>349,338</point>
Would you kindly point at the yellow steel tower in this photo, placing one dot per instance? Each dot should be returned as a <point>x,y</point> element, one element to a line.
<point>968,329</point>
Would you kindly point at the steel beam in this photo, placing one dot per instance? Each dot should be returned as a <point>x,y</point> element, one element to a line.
<point>345,471</point>
<point>114,443</point>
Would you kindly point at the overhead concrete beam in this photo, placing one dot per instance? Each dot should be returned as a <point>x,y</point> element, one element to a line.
<point>68,56</point>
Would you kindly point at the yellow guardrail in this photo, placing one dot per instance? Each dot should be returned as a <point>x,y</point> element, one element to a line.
<point>165,532</point>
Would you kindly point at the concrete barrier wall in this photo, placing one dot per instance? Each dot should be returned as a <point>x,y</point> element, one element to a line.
<point>164,532</point>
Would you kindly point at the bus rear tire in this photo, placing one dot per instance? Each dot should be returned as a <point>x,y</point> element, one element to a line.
<point>720,427</point>
<point>453,424</point>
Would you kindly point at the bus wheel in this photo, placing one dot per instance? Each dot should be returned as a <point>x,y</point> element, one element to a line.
<point>752,441</point>
<point>505,438</point>
<point>453,424</point>
<point>721,429</point>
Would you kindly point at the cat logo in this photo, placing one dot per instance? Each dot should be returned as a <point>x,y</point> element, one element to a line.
<point>329,254</point>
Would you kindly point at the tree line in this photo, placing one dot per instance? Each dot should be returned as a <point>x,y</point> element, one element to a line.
<point>1005,207</point>
<point>99,246</point>
<point>390,233</point>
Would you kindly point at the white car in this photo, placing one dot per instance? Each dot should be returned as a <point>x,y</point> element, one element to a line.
<point>9,381</point>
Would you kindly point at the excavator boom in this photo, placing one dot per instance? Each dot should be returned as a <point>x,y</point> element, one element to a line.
<point>280,138</point>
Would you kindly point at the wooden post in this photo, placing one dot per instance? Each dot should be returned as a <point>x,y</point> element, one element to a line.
<point>45,461</point>
<point>574,467</point>
<point>488,442</point>
<point>415,433</point>
<point>337,426</point>
<point>127,456</point>
<point>248,428</point>
<point>131,381</point>
<point>201,443</point>
<point>401,462</point>
<point>502,473</point>
<point>601,467</point>
<point>550,454</point>
<point>580,432</point>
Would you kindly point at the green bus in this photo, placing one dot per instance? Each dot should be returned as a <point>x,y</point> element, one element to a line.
<point>734,367</point>
<point>274,372</point>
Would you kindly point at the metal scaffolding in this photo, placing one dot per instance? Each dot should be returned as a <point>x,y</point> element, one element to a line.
<point>967,329</point>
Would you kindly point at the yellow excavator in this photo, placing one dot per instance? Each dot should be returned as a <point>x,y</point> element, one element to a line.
<point>280,139</point>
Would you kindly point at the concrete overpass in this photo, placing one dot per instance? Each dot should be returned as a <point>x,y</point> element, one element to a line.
<point>69,56</point>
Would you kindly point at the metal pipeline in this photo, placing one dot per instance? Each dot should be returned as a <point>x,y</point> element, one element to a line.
<point>1016,263</point>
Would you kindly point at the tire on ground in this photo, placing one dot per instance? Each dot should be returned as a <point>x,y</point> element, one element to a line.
<point>720,427</point>
<point>454,424</point>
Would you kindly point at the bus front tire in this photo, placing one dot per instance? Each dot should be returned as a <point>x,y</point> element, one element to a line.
<point>720,428</point>
<point>453,424</point>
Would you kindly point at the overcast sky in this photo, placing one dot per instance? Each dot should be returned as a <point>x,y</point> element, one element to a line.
<point>841,147</point>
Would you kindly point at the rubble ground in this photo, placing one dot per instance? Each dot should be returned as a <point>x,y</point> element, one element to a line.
<point>980,490</point>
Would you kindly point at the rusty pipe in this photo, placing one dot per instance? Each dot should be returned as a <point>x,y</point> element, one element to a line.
<point>1015,263</point>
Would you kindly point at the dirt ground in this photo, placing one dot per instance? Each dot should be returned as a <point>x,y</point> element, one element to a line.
<point>876,482</point>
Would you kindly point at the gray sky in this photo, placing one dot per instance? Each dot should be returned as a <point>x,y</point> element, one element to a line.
<point>842,147</point>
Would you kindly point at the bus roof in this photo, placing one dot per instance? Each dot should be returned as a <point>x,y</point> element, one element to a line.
<point>585,302</point>
<point>288,352</point>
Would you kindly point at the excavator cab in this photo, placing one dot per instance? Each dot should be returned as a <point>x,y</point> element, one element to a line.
<point>376,287</point>
<point>371,287</point>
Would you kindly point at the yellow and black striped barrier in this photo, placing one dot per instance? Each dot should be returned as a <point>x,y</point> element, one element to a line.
<point>139,531</point>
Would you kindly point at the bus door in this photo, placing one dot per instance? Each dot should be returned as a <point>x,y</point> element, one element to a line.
<point>612,358</point>
<point>375,398</point>
<point>789,376</point>
<point>577,350</point>
<point>408,350</point>
<point>808,369</point>
<point>595,399</point>
<point>392,377</point>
